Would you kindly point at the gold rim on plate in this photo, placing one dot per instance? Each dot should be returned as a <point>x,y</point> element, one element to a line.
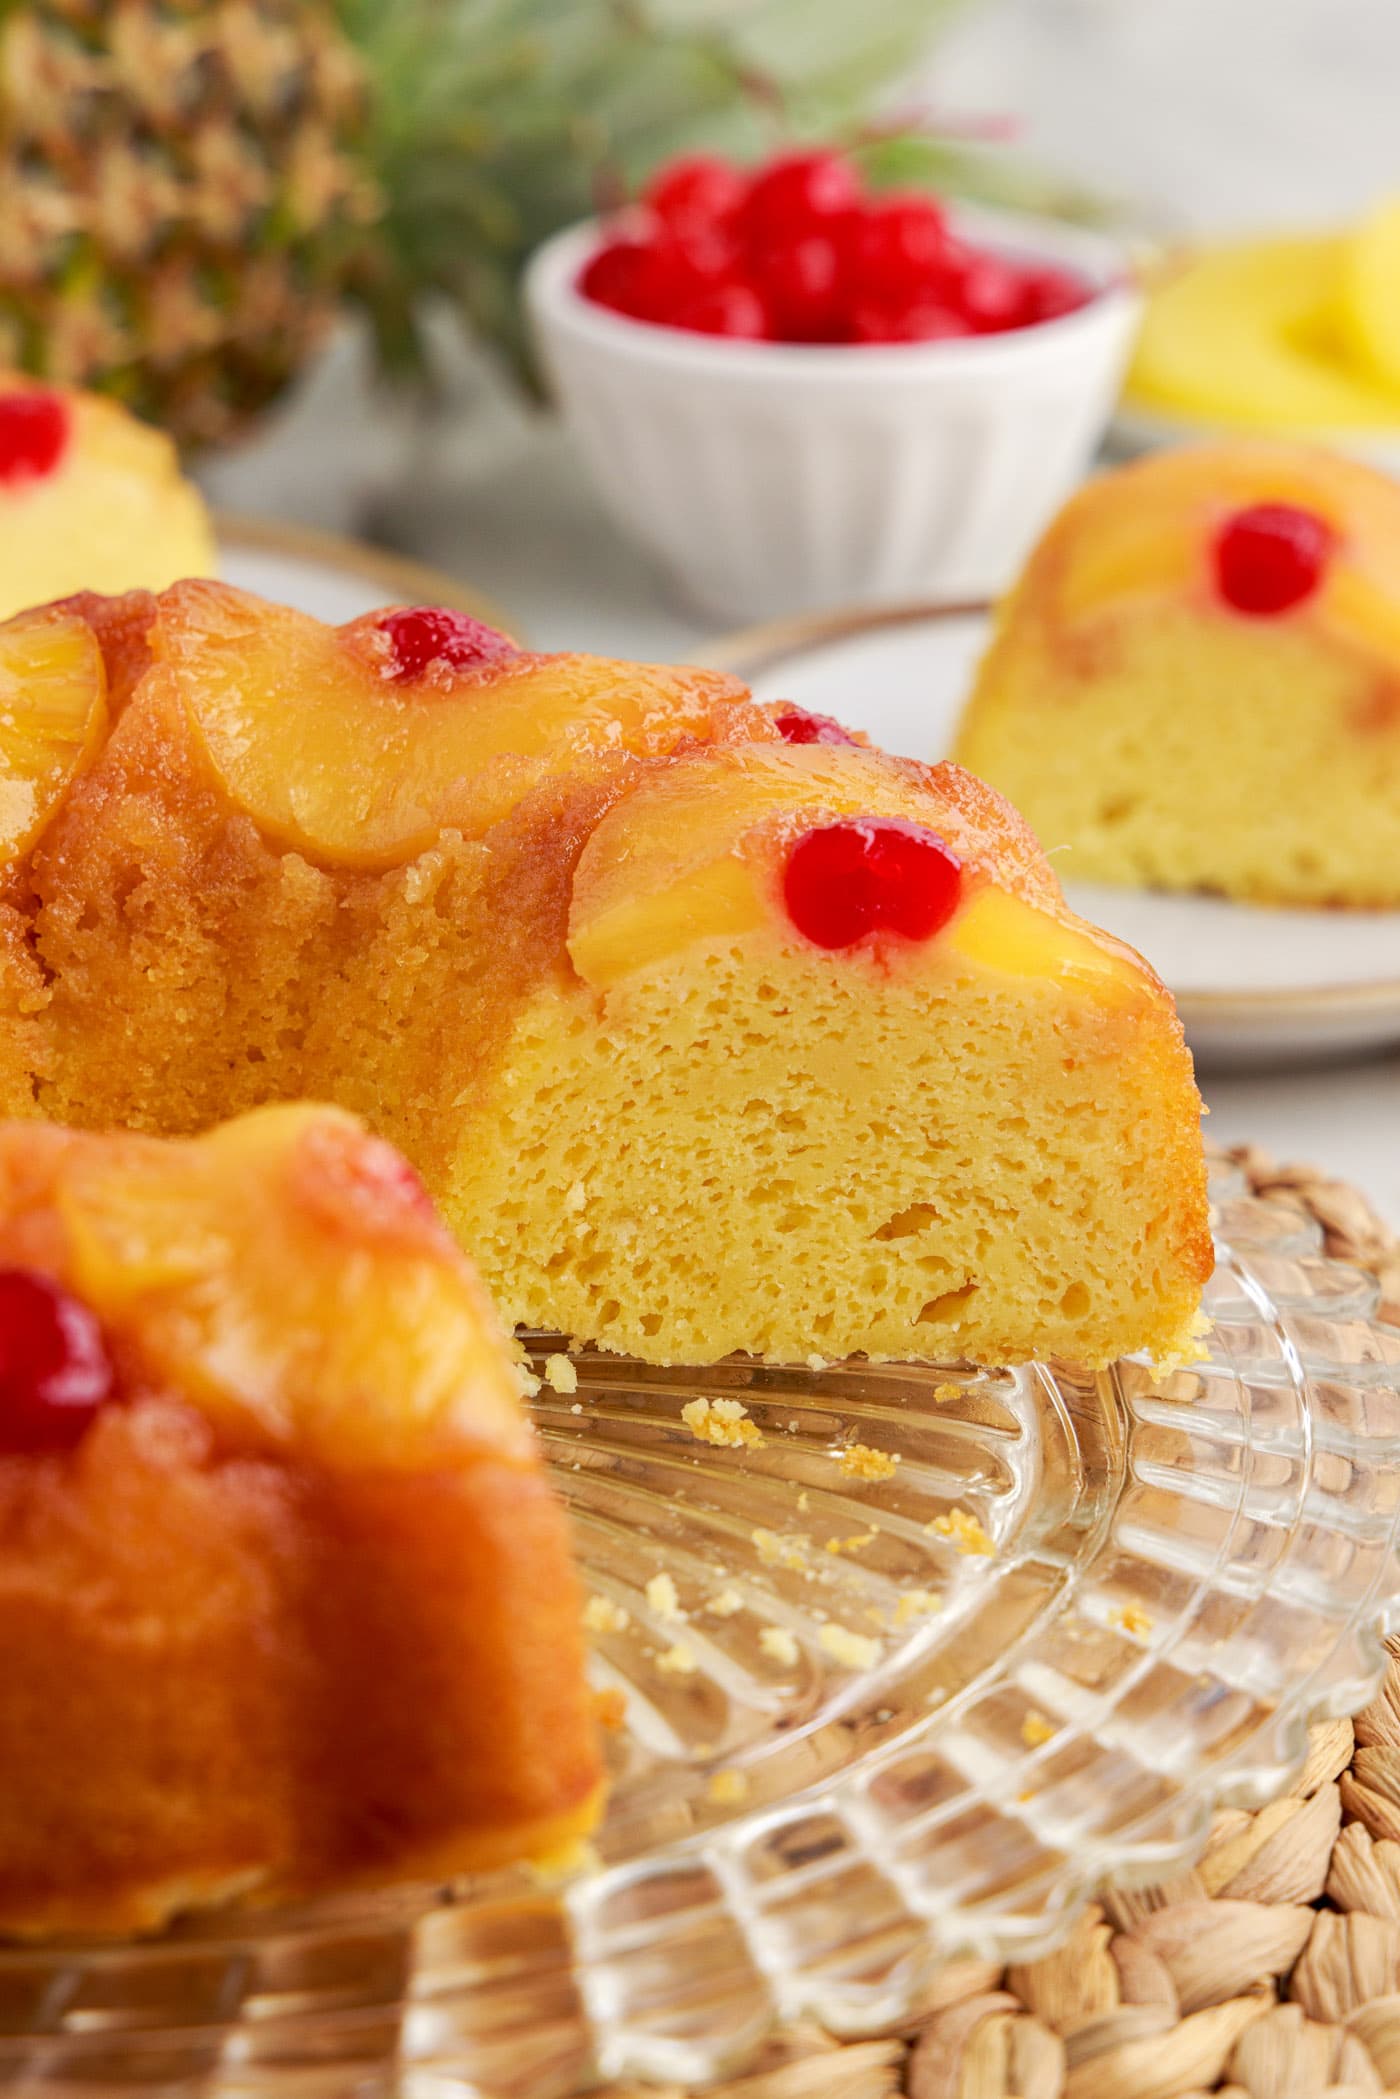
<point>404,582</point>
<point>751,652</point>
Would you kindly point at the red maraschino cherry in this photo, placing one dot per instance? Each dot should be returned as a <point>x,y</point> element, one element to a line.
<point>797,251</point>
<point>422,635</point>
<point>1271,557</point>
<point>54,1369</point>
<point>34,427</point>
<point>799,725</point>
<point>870,875</point>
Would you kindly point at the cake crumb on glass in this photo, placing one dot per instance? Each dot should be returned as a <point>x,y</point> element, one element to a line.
<point>611,1708</point>
<point>965,1531</point>
<point>943,1393</point>
<point>1036,1729</point>
<point>1132,1619</point>
<point>572,1859</point>
<point>854,1544</point>
<point>662,1598</point>
<point>602,1615</point>
<point>851,1650</point>
<point>916,1603</point>
<point>776,1551</point>
<point>677,1661</point>
<point>528,1382</point>
<point>560,1375</point>
<point>723,1422</point>
<point>860,1461</point>
<point>725,1603</point>
<point>778,1644</point>
<point>727,1788</point>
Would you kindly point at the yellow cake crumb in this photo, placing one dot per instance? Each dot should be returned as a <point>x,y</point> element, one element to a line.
<point>803,1502</point>
<point>572,1859</point>
<point>776,1551</point>
<point>860,1461</point>
<point>728,1788</point>
<point>1132,1619</point>
<point>965,1531</point>
<point>662,1598</point>
<point>724,1422</point>
<point>851,1544</point>
<point>851,1650</point>
<point>602,1615</point>
<point>778,1644</point>
<point>529,1384</point>
<point>916,1603</point>
<point>1036,1729</point>
<point>725,1603</point>
<point>943,1393</point>
<point>677,1661</point>
<point>560,1375</point>
<point>611,1708</point>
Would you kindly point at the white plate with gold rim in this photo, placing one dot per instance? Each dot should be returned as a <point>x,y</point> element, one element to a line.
<point>336,579</point>
<point>1255,986</point>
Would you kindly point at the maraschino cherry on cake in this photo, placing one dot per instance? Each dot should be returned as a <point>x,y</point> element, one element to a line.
<point>1196,682</point>
<point>708,1028</point>
<point>286,1605</point>
<point>90,499</point>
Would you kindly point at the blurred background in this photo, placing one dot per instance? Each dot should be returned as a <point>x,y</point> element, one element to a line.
<point>1166,117</point>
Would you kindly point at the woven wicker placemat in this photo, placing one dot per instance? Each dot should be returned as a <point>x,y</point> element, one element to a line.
<point>1270,1972</point>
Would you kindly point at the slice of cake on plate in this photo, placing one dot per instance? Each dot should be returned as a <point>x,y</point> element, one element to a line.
<point>1196,682</point>
<point>90,499</point>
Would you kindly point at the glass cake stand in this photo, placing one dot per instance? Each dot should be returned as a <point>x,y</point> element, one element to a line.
<point>906,1675</point>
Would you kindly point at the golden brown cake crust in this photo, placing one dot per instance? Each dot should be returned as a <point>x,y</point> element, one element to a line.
<point>306,1669</point>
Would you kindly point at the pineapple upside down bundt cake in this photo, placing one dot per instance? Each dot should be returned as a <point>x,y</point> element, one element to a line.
<point>708,1031</point>
<point>273,1532</point>
<point>90,499</point>
<point>1196,682</point>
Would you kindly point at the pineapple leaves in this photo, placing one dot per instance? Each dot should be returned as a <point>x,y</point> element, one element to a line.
<point>495,122</point>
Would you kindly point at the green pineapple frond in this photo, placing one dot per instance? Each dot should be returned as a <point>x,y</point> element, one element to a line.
<point>499,121</point>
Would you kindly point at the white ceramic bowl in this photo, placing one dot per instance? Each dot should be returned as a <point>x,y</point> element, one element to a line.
<point>774,478</point>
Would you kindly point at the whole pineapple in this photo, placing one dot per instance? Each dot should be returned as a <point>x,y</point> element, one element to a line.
<point>192,188</point>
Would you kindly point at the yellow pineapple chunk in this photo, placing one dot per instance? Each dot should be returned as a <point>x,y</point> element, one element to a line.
<point>1246,336</point>
<point>312,736</point>
<point>53,716</point>
<point>1368,293</point>
<point>289,1270</point>
<point>694,854</point>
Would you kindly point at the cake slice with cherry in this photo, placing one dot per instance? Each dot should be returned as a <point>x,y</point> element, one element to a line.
<point>90,499</point>
<point>1196,682</point>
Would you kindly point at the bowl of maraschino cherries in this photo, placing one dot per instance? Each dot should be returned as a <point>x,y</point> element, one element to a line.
<point>799,393</point>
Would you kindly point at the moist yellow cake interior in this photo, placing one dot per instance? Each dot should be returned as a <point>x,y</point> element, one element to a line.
<point>778,1098</point>
<point>1168,740</point>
